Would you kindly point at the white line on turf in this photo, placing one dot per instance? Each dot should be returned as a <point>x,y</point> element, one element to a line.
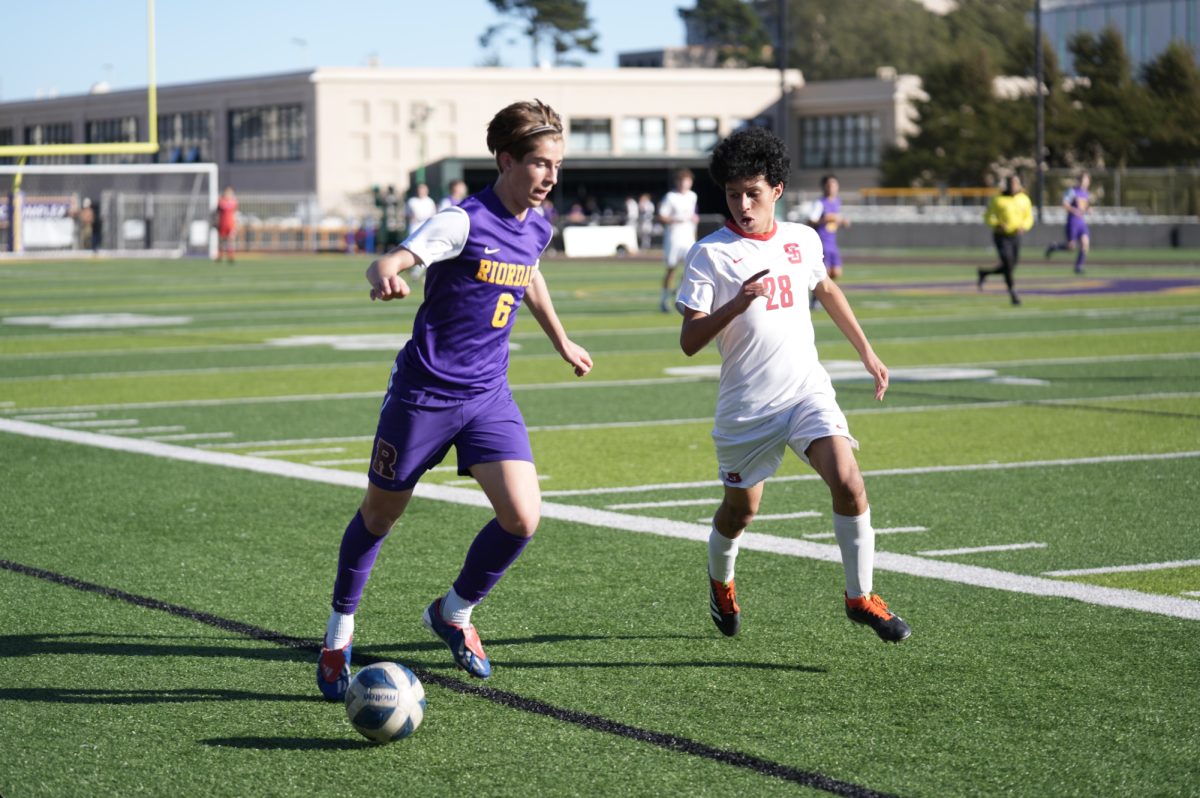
<point>979,549</point>
<point>144,430</point>
<point>191,436</point>
<point>1190,593</point>
<point>55,416</point>
<point>297,441</point>
<point>1120,569</point>
<point>123,422</point>
<point>290,452</point>
<point>1121,458</point>
<point>104,375</point>
<point>353,461</point>
<point>887,530</point>
<point>1172,606</point>
<point>676,503</point>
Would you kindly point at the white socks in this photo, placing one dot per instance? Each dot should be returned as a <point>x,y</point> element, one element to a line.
<point>339,631</point>
<point>456,610</point>
<point>722,552</point>
<point>856,538</point>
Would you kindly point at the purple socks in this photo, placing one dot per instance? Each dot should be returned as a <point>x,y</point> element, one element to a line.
<point>1079,259</point>
<point>487,560</point>
<point>355,558</point>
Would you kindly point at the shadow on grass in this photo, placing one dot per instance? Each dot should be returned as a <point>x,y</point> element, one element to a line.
<point>446,665</point>
<point>433,645</point>
<point>289,743</point>
<point>57,695</point>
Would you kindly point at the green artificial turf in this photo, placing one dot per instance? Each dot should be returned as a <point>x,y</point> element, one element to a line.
<point>996,693</point>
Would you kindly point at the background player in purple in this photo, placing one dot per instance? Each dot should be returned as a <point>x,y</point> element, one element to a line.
<point>825,214</point>
<point>1077,203</point>
<point>449,385</point>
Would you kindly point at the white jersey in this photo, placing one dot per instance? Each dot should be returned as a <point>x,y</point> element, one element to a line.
<point>419,210</point>
<point>769,353</point>
<point>681,210</point>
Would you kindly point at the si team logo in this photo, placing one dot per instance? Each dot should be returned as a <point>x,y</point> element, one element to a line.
<point>734,478</point>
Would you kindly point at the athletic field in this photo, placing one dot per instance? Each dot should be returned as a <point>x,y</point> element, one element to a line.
<point>182,444</point>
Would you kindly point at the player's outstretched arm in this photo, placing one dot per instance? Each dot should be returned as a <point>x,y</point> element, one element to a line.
<point>835,304</point>
<point>384,274</point>
<point>537,299</point>
<point>700,328</point>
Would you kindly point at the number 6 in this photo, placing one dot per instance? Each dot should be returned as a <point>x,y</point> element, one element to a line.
<point>503,308</point>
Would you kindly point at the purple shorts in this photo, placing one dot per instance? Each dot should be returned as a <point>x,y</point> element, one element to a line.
<point>417,429</point>
<point>1076,227</point>
<point>832,257</point>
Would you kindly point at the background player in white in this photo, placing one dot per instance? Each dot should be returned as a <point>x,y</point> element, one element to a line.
<point>677,212</point>
<point>419,209</point>
<point>745,287</point>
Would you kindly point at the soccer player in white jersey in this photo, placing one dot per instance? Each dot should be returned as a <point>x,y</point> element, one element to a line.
<point>745,287</point>
<point>677,213</point>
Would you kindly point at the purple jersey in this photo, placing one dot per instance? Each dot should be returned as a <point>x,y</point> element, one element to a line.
<point>1076,226</point>
<point>459,346</point>
<point>828,232</point>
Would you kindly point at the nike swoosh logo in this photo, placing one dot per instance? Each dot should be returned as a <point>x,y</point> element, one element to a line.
<point>487,251</point>
<point>739,260</point>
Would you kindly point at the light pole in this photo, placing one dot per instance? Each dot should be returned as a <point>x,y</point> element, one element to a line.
<point>783,94</point>
<point>1041,108</point>
<point>303,45</point>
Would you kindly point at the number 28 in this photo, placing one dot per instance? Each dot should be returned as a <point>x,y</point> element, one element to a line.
<point>785,292</point>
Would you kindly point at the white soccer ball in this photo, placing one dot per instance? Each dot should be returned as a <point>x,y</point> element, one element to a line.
<point>385,702</point>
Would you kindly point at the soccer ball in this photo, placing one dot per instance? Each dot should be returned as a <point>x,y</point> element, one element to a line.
<point>385,702</point>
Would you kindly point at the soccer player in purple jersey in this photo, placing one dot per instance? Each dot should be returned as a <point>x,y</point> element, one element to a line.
<point>449,384</point>
<point>1077,202</point>
<point>825,215</point>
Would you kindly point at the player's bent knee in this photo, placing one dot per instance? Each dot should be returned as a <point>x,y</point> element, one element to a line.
<point>520,523</point>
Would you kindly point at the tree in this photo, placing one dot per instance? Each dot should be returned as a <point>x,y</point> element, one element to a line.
<point>1112,106</point>
<point>736,28</point>
<point>1173,82</point>
<point>965,128</point>
<point>563,24</point>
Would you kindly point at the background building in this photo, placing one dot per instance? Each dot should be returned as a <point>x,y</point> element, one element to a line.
<point>1147,26</point>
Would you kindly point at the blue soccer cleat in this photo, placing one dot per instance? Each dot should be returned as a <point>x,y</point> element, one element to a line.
<point>463,643</point>
<point>333,672</point>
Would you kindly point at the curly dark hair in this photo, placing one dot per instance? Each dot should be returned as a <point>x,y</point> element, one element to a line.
<point>752,152</point>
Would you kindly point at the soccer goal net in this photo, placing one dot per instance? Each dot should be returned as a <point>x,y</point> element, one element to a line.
<point>118,210</point>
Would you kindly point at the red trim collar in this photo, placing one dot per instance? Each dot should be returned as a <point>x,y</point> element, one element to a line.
<point>755,236</point>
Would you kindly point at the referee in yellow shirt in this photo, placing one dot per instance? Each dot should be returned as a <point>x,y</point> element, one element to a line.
<point>1008,214</point>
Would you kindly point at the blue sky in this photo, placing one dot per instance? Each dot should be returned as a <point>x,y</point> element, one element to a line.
<point>65,46</point>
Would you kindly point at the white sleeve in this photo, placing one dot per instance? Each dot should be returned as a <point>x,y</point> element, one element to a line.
<point>441,238</point>
<point>1069,196</point>
<point>816,211</point>
<point>816,271</point>
<point>699,284</point>
<point>664,207</point>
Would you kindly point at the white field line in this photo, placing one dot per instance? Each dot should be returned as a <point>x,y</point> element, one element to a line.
<point>249,444</point>
<point>355,461</point>
<point>191,436</point>
<point>55,417</point>
<point>1121,458</point>
<point>1190,593</point>
<point>289,452</point>
<point>122,422</point>
<point>1121,569</point>
<point>144,430</point>
<point>887,530</point>
<point>105,375</point>
<point>784,516</point>
<point>979,549</point>
<point>378,395</point>
<point>676,503</point>
<point>1172,606</point>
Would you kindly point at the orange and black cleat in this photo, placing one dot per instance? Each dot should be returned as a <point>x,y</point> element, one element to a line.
<point>871,611</point>
<point>722,603</point>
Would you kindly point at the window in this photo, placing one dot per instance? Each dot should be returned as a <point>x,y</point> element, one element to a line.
<point>111,131</point>
<point>851,140</point>
<point>272,133</point>
<point>60,133</point>
<point>697,134</point>
<point>591,135</point>
<point>185,138</point>
<point>644,135</point>
<point>758,121</point>
<point>6,139</point>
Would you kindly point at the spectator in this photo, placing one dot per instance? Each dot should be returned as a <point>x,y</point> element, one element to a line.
<point>85,218</point>
<point>227,208</point>
<point>645,220</point>
<point>419,209</point>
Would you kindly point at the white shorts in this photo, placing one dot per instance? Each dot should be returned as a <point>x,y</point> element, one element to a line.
<point>675,248</point>
<point>751,454</point>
